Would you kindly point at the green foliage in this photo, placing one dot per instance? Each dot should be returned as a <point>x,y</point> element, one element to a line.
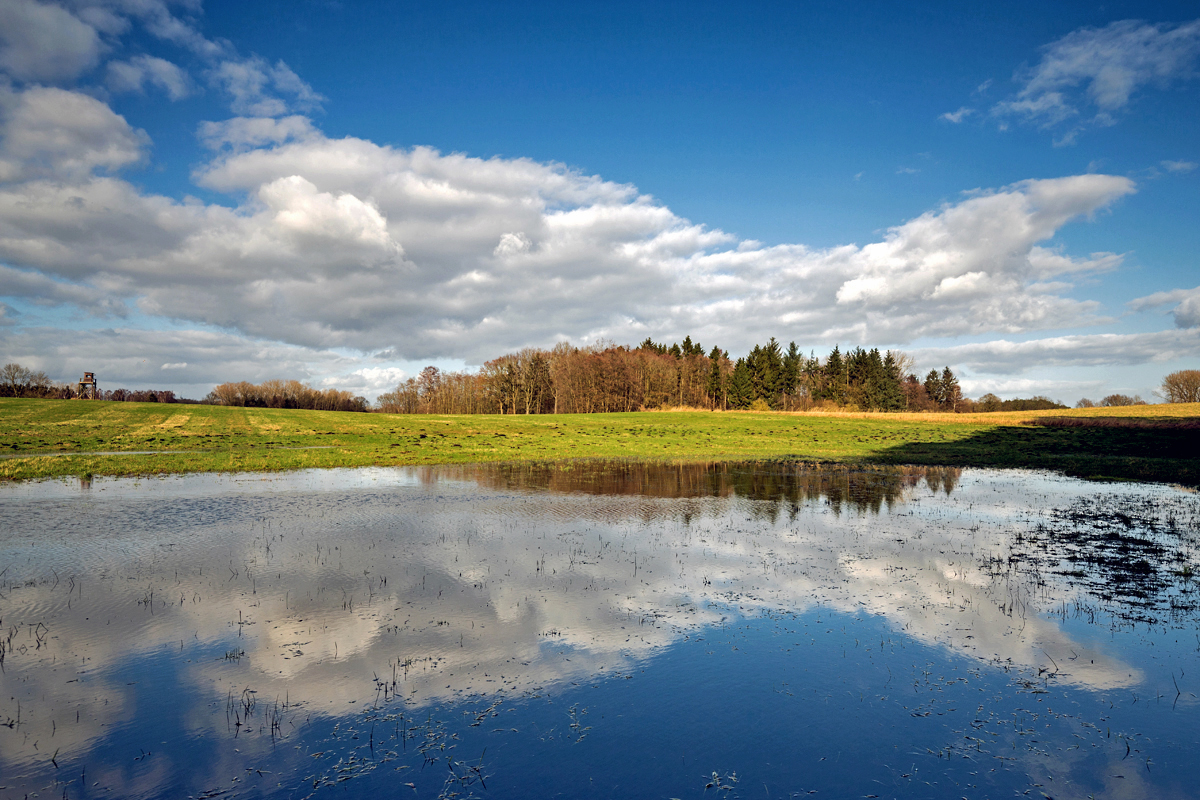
<point>715,386</point>
<point>836,378</point>
<point>741,387</point>
<point>793,362</point>
<point>226,439</point>
<point>990,403</point>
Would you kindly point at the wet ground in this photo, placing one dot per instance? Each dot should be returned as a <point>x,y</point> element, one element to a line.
<point>607,630</point>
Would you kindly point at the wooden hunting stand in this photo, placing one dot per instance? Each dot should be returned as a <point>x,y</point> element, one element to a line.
<point>88,388</point>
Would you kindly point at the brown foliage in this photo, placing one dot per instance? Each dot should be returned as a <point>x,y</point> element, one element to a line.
<point>285,394</point>
<point>1182,386</point>
<point>601,378</point>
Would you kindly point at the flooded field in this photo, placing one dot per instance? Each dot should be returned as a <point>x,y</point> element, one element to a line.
<point>600,631</point>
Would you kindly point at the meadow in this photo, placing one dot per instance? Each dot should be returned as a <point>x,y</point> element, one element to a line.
<point>49,438</point>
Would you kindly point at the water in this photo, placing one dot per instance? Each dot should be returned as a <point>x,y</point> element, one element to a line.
<point>599,631</point>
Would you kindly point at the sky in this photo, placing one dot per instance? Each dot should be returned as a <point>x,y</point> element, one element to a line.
<point>342,193</point>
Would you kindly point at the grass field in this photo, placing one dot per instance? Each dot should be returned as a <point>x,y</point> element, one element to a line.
<point>46,438</point>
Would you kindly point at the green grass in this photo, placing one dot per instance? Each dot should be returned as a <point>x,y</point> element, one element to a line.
<point>217,439</point>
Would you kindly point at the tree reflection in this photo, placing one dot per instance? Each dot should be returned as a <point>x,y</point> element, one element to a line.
<point>859,489</point>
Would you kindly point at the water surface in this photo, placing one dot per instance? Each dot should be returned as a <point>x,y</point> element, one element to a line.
<point>607,630</point>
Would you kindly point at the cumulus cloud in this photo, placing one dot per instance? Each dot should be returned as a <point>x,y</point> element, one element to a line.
<point>134,357</point>
<point>45,42</point>
<point>1091,74</point>
<point>1026,387</point>
<point>133,75</point>
<point>41,290</point>
<point>345,243</point>
<point>1185,305</point>
<point>259,89</point>
<point>369,382</point>
<point>48,132</point>
<point>244,133</point>
<point>1004,357</point>
<point>48,43</point>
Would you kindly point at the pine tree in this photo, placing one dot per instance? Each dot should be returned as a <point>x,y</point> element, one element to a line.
<point>741,390</point>
<point>933,388</point>
<point>716,381</point>
<point>835,377</point>
<point>790,374</point>
<point>813,377</point>
<point>951,393</point>
<point>893,391</point>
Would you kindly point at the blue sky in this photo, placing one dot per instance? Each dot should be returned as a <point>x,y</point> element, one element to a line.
<point>344,192</point>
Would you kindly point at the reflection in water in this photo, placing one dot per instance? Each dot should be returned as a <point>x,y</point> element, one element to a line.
<point>861,489</point>
<point>233,627</point>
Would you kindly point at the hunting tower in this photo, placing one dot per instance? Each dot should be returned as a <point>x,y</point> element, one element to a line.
<point>88,388</point>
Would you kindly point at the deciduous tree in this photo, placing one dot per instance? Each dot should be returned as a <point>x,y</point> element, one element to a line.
<point>1182,386</point>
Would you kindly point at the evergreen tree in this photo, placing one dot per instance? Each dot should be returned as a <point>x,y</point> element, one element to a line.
<point>893,387</point>
<point>812,376</point>
<point>716,381</point>
<point>951,392</point>
<point>741,390</point>
<point>789,376</point>
<point>772,383</point>
<point>933,388</point>
<point>835,377</point>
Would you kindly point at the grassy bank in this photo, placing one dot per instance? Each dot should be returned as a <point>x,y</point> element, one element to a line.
<point>44,438</point>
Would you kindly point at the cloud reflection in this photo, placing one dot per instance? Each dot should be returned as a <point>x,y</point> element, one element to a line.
<point>444,583</point>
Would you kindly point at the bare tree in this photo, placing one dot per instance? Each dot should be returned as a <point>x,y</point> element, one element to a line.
<point>1179,387</point>
<point>15,377</point>
<point>1116,400</point>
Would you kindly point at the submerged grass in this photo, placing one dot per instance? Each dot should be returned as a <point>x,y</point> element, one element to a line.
<point>48,438</point>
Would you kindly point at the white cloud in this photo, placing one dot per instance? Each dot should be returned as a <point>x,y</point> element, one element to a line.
<point>1026,387</point>
<point>259,89</point>
<point>45,42</point>
<point>1004,357</point>
<point>1185,305</point>
<point>48,43</point>
<point>244,133</point>
<point>138,358</point>
<point>369,382</point>
<point>43,291</point>
<point>344,243</point>
<point>957,116</point>
<point>1092,73</point>
<point>512,244</point>
<point>1179,167</point>
<point>134,74</point>
<point>47,132</point>
<point>156,16</point>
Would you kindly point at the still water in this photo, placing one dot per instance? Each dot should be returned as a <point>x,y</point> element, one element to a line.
<point>600,630</point>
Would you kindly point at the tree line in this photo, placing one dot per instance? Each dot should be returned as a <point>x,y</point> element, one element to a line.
<point>609,378</point>
<point>18,381</point>
<point>615,378</point>
<point>285,394</point>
